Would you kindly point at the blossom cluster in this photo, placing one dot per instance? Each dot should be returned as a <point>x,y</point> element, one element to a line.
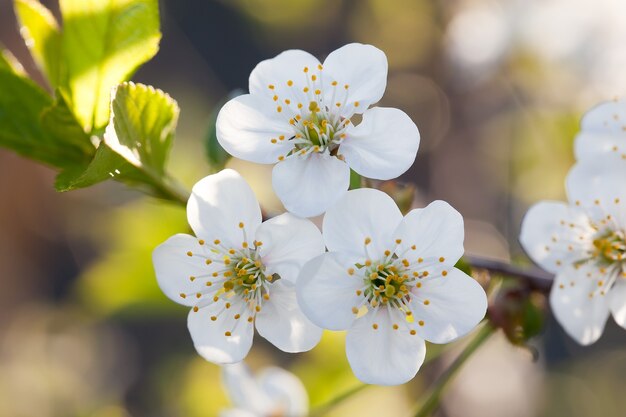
<point>583,241</point>
<point>389,280</point>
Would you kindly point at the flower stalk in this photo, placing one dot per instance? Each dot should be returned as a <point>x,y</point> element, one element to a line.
<point>431,401</point>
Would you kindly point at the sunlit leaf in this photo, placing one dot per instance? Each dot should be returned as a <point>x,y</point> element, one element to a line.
<point>136,145</point>
<point>142,125</point>
<point>59,122</point>
<point>9,62</point>
<point>41,33</point>
<point>104,42</point>
<point>22,104</point>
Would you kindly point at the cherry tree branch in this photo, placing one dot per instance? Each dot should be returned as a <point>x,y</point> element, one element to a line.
<point>535,278</point>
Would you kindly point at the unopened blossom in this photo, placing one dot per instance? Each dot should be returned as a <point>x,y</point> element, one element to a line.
<point>238,273</point>
<point>298,116</point>
<point>603,131</point>
<point>390,282</point>
<point>583,242</point>
<point>271,392</point>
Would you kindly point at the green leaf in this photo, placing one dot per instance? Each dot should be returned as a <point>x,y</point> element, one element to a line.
<point>215,154</point>
<point>355,180</point>
<point>104,42</point>
<point>22,104</point>
<point>9,63</point>
<point>136,144</point>
<point>142,125</point>
<point>41,33</point>
<point>59,122</point>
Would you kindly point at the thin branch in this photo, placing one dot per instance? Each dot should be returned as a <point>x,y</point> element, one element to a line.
<point>536,279</point>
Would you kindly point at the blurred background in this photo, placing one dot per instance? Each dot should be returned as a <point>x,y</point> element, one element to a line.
<point>497,89</point>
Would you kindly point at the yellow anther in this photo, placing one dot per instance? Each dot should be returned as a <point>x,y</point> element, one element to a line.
<point>289,83</point>
<point>209,283</point>
<point>318,92</point>
<point>387,252</point>
<point>227,334</point>
<point>413,332</point>
<point>368,240</point>
<point>237,316</point>
<point>334,83</point>
<point>426,302</point>
<point>356,104</point>
<point>244,245</point>
<point>420,260</point>
<point>338,104</point>
<point>227,305</point>
<point>306,69</point>
<point>266,297</point>
<point>375,326</point>
<point>421,322</point>
<point>355,310</point>
<point>406,263</point>
<point>395,326</point>
<point>425,273</point>
<point>313,77</point>
<point>213,318</point>
<point>275,98</point>
<point>279,109</point>
<point>271,86</point>
<point>189,253</point>
<point>373,275</point>
<point>195,309</point>
<point>444,273</point>
<point>287,101</point>
<point>183,295</point>
<point>217,241</point>
<point>346,86</point>
<point>215,299</point>
<point>300,105</point>
<point>442,259</point>
<point>201,242</point>
<point>368,263</point>
<point>250,319</point>
<point>232,251</point>
<point>320,67</point>
<point>257,308</point>
<point>281,158</point>
<point>359,292</point>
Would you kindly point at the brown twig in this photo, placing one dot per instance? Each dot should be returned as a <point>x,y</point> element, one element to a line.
<point>535,278</point>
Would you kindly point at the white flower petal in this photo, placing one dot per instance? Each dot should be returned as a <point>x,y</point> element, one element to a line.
<point>617,302</point>
<point>308,185</point>
<point>282,322</point>
<point>218,204</point>
<point>363,68</point>
<point>383,146</point>
<point>276,72</point>
<point>435,232</point>
<point>597,184</point>
<point>598,144</point>
<point>209,337</point>
<point>178,273</point>
<point>288,243</point>
<point>583,317</point>
<point>547,234</point>
<point>249,127</point>
<point>449,306</point>
<point>327,293</point>
<point>383,356</point>
<point>602,130</point>
<point>359,215</point>
<point>243,389</point>
<point>286,391</point>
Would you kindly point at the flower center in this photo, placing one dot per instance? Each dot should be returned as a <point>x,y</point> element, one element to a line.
<point>393,282</point>
<point>609,247</point>
<point>233,272</point>
<point>315,112</point>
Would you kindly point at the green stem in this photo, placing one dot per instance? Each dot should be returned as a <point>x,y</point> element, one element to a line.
<point>333,402</point>
<point>431,403</point>
<point>173,192</point>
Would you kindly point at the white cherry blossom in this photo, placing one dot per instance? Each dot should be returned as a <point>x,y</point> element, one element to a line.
<point>272,392</point>
<point>238,273</point>
<point>583,242</point>
<point>298,116</point>
<point>603,131</point>
<point>390,282</point>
